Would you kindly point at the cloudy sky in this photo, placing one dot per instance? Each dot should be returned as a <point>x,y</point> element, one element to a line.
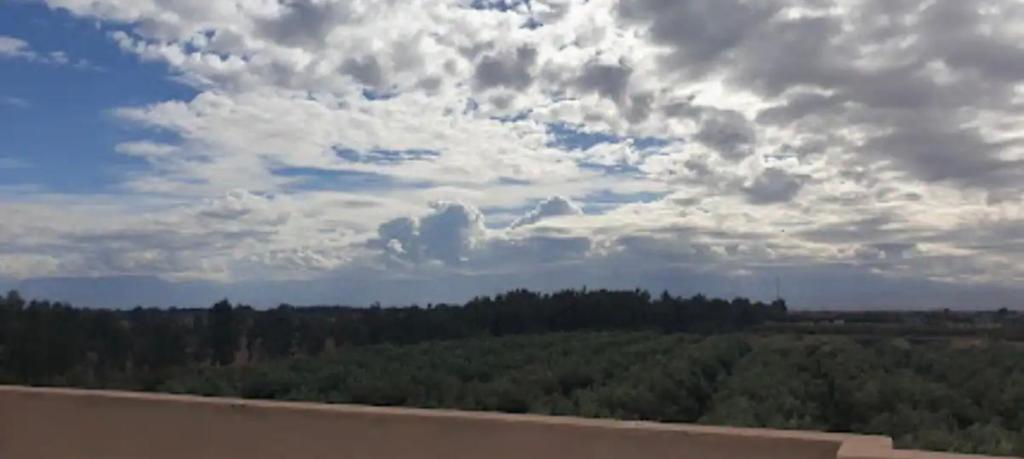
<point>867,153</point>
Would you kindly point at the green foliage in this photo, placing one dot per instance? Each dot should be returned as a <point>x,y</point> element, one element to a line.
<point>926,396</point>
<point>597,354</point>
<point>48,343</point>
<point>929,396</point>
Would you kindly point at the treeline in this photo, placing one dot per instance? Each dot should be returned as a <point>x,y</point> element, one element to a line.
<point>1000,324</point>
<point>54,343</point>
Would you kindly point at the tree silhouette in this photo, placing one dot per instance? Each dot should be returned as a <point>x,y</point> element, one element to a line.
<point>224,333</point>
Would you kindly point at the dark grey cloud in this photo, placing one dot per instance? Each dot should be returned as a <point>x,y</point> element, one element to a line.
<point>698,167</point>
<point>858,229</point>
<point>798,106</point>
<point>913,113</point>
<point>958,33</point>
<point>431,84</point>
<point>784,54</point>
<point>729,133</point>
<point>907,74</point>
<point>1000,238</point>
<point>612,81</point>
<point>506,70</point>
<point>609,80</point>
<point>773,186</point>
<point>639,107</point>
<point>305,22</point>
<point>366,70</point>
<point>698,31</point>
<point>648,248</point>
<point>934,152</point>
<point>535,250</point>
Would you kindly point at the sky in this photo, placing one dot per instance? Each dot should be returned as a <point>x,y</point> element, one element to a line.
<point>854,153</point>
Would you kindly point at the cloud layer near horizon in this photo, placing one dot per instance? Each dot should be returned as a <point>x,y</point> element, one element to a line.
<point>438,140</point>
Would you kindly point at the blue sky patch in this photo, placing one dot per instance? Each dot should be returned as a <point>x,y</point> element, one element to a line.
<point>500,5</point>
<point>60,125</point>
<point>569,137</point>
<point>385,156</point>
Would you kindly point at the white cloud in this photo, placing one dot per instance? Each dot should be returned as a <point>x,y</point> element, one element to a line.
<point>727,136</point>
<point>16,48</point>
<point>556,206</point>
<point>448,234</point>
<point>11,47</point>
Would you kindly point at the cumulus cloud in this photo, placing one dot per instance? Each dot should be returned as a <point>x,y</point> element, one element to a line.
<point>303,23</point>
<point>366,70</point>
<point>612,81</point>
<point>729,133</point>
<point>725,135</point>
<point>608,80</point>
<point>455,234</point>
<point>555,206</point>
<point>508,70</point>
<point>448,234</point>
<point>699,31</point>
<point>773,186</point>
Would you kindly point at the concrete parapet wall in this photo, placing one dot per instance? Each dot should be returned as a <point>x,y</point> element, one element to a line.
<point>37,423</point>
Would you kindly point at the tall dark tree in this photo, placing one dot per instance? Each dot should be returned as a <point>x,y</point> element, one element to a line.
<point>224,333</point>
<point>273,332</point>
<point>13,301</point>
<point>159,343</point>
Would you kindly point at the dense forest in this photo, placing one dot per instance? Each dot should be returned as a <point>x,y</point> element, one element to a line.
<point>55,343</point>
<point>617,354</point>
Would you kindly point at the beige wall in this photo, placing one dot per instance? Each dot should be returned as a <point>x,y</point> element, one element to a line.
<point>74,424</point>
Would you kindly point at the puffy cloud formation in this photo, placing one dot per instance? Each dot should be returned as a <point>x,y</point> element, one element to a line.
<point>773,185</point>
<point>724,139</point>
<point>555,206</point>
<point>448,234</point>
